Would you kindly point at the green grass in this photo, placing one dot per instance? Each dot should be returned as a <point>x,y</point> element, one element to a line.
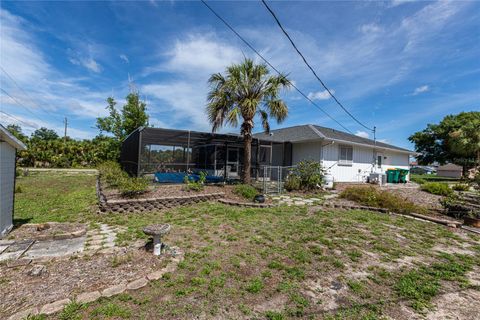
<point>54,197</point>
<point>239,258</point>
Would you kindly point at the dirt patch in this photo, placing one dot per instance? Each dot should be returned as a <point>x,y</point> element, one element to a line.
<point>456,305</point>
<point>418,197</point>
<point>65,277</point>
<point>48,231</point>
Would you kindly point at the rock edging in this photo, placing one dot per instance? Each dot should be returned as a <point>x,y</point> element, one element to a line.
<point>246,204</point>
<point>448,223</point>
<point>138,205</point>
<point>87,297</point>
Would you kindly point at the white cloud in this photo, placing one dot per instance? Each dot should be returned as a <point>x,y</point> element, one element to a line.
<point>420,89</point>
<point>51,96</point>
<point>370,28</point>
<point>320,95</point>
<point>124,58</point>
<point>87,62</point>
<point>383,140</point>
<point>362,134</point>
<point>396,3</point>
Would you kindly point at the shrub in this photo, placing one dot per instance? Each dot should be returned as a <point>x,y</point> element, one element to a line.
<point>461,187</point>
<point>18,189</point>
<point>307,175</point>
<point>246,191</point>
<point>192,185</point>
<point>132,186</point>
<point>373,197</point>
<point>292,183</point>
<point>438,188</point>
<point>111,173</point>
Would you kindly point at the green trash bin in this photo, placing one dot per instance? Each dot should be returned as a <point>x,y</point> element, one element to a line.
<point>403,175</point>
<point>396,176</point>
<point>390,175</point>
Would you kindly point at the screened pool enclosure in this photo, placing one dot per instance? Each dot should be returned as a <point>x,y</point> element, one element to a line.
<point>169,153</point>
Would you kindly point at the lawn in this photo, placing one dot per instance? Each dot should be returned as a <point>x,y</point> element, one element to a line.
<point>432,178</point>
<point>276,263</point>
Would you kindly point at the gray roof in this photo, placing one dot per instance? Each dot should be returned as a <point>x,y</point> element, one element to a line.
<point>309,132</point>
<point>9,138</point>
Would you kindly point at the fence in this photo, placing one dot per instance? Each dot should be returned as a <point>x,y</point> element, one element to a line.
<point>272,178</point>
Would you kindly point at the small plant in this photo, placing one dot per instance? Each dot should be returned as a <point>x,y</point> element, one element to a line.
<point>246,191</point>
<point>255,286</point>
<point>18,189</point>
<point>132,186</point>
<point>461,187</point>
<point>307,175</point>
<point>438,188</point>
<point>71,311</point>
<point>418,180</point>
<point>192,185</point>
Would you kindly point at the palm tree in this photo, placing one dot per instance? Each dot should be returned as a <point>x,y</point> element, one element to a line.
<point>245,91</point>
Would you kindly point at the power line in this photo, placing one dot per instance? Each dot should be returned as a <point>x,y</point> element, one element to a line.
<point>28,95</point>
<point>271,66</point>
<point>19,103</point>
<point>311,69</point>
<point>16,119</point>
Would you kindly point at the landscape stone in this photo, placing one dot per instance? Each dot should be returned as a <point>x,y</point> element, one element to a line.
<point>156,275</point>
<point>87,297</point>
<point>37,270</point>
<point>114,290</point>
<point>21,315</point>
<point>137,284</point>
<point>54,306</point>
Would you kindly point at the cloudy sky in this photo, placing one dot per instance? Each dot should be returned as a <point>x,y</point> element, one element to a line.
<point>397,65</point>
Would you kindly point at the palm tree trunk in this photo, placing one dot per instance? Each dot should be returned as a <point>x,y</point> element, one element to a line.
<point>247,142</point>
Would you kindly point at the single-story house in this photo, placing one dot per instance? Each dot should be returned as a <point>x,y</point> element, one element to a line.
<point>8,147</point>
<point>450,170</point>
<point>347,157</point>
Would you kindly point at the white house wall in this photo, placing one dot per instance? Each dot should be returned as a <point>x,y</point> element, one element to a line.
<point>362,160</point>
<point>7,178</point>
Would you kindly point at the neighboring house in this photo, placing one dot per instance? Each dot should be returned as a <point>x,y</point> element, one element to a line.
<point>347,157</point>
<point>450,170</point>
<point>8,147</point>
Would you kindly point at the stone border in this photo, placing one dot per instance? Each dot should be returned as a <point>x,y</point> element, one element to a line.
<point>247,204</point>
<point>448,223</point>
<point>150,204</point>
<point>87,297</point>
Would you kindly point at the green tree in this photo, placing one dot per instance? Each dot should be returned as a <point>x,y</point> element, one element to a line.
<point>131,116</point>
<point>17,132</point>
<point>245,91</point>
<point>44,134</point>
<point>456,139</point>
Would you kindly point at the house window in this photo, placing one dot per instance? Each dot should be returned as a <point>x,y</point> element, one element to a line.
<point>379,161</point>
<point>345,156</point>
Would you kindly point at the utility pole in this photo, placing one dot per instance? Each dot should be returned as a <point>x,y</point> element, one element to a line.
<point>65,122</point>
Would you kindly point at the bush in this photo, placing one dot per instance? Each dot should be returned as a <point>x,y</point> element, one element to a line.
<point>438,188</point>
<point>461,187</point>
<point>246,191</point>
<point>373,197</point>
<point>192,185</point>
<point>307,175</point>
<point>292,183</point>
<point>111,173</point>
<point>132,186</point>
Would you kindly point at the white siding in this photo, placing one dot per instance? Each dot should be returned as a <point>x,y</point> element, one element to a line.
<point>306,151</point>
<point>7,178</point>
<point>362,160</point>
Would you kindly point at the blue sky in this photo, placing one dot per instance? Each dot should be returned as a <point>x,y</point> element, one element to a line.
<point>397,65</point>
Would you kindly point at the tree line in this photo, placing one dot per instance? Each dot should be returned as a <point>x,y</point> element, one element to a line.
<point>45,148</point>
